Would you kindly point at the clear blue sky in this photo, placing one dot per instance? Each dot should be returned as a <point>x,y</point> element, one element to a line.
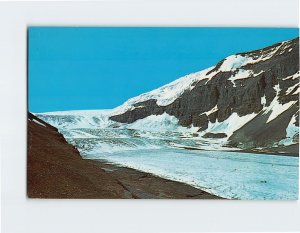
<point>100,68</point>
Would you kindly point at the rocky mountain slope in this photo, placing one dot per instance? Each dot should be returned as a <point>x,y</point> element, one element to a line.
<point>251,98</point>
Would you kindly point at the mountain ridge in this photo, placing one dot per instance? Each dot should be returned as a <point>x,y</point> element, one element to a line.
<point>244,83</point>
<point>248,100</point>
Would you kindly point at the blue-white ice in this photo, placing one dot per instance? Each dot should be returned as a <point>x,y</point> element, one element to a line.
<point>226,174</point>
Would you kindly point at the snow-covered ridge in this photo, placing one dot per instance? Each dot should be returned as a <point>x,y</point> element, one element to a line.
<point>168,93</point>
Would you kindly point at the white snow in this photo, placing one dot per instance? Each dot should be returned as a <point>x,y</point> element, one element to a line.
<point>260,72</point>
<point>291,131</point>
<point>234,62</point>
<point>278,109</point>
<point>263,100</point>
<point>214,109</point>
<point>269,53</point>
<point>275,107</point>
<point>34,120</point>
<point>231,124</point>
<point>160,123</point>
<point>277,89</point>
<point>290,89</point>
<point>242,74</point>
<point>294,76</point>
<point>166,94</point>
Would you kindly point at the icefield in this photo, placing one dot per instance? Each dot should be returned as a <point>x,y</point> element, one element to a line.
<point>230,175</point>
<point>158,145</point>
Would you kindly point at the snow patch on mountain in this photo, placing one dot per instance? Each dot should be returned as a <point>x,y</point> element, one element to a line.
<point>270,52</point>
<point>293,90</point>
<point>214,109</point>
<point>291,131</point>
<point>237,61</point>
<point>158,123</point>
<point>242,74</point>
<point>234,62</point>
<point>263,100</point>
<point>166,94</point>
<point>294,76</point>
<point>231,124</point>
<point>275,108</point>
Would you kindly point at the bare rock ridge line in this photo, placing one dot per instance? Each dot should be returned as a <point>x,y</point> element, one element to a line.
<point>55,169</point>
<point>261,82</point>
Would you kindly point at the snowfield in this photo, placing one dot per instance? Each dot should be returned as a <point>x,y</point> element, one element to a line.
<point>275,107</point>
<point>231,124</point>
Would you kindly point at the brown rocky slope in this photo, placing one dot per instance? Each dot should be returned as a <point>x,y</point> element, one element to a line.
<point>55,169</point>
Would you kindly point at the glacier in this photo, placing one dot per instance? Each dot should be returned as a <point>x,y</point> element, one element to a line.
<point>230,175</point>
<point>158,145</point>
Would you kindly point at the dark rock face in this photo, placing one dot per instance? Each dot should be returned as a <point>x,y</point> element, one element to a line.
<point>243,96</point>
<point>215,135</point>
<point>142,110</point>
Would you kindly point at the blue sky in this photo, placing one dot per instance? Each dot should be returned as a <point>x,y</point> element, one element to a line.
<point>100,68</point>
